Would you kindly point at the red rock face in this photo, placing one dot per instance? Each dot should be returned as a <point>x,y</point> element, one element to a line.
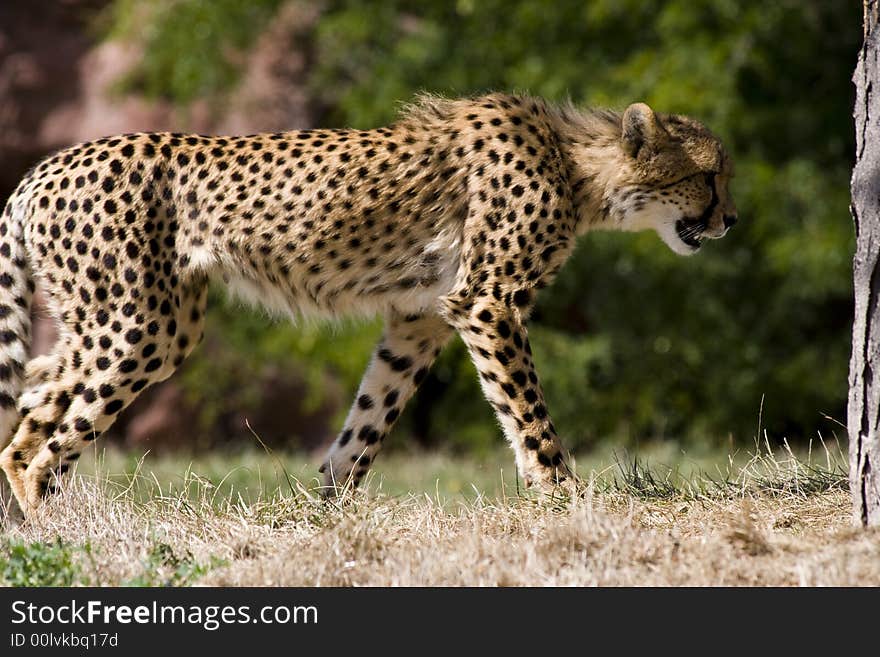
<point>58,87</point>
<point>40,43</point>
<point>166,417</point>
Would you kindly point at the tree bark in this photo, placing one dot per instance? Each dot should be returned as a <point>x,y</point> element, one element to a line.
<point>863,413</point>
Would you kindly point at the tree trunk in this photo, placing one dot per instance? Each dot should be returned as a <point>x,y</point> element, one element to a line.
<point>863,415</point>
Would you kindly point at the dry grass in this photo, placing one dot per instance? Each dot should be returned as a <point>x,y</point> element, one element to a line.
<point>774,521</point>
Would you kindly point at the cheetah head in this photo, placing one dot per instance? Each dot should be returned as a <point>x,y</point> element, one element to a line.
<point>676,177</point>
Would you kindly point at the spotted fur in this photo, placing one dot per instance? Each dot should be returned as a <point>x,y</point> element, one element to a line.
<point>448,221</point>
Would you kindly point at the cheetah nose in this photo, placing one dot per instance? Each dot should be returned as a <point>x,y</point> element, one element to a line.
<point>729,220</point>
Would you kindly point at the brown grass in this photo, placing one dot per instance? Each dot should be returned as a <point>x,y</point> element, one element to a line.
<point>766,524</point>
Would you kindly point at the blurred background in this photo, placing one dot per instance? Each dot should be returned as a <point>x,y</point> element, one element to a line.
<point>634,345</point>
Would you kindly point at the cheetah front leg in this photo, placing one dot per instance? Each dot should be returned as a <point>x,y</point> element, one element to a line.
<point>399,364</point>
<point>498,343</point>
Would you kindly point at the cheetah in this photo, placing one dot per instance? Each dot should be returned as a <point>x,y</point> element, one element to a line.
<point>447,221</point>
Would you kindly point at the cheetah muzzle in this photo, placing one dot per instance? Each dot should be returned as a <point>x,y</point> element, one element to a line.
<point>690,231</point>
<point>448,221</point>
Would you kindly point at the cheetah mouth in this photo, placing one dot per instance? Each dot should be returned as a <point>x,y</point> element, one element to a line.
<point>690,231</point>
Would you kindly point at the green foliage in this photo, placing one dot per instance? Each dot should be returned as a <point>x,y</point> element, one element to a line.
<point>163,567</point>
<point>243,341</point>
<point>192,48</point>
<point>38,564</point>
<point>631,340</point>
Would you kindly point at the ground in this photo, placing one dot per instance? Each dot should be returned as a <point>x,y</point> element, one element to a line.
<point>250,520</point>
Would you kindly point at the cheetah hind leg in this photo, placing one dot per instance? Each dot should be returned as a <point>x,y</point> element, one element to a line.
<point>71,413</point>
<point>37,371</point>
<point>67,415</point>
<point>10,512</point>
<point>74,406</point>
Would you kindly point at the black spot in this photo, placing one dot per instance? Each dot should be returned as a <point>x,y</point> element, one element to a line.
<point>113,407</point>
<point>532,443</point>
<point>509,389</point>
<point>128,365</point>
<point>401,363</point>
<point>547,253</point>
<point>368,434</point>
<point>522,298</point>
<point>365,402</point>
<point>63,400</point>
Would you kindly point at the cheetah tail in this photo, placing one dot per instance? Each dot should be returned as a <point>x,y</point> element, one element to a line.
<point>16,290</point>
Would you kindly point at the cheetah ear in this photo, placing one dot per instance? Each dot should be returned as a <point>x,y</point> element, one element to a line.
<point>641,127</point>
